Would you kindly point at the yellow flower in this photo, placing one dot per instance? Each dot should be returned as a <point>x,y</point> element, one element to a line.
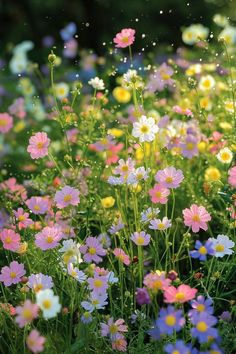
<point>115,132</point>
<point>136,188</point>
<point>229,106</point>
<point>194,69</point>
<point>205,103</point>
<point>121,94</point>
<point>23,248</point>
<point>19,126</point>
<point>226,125</point>
<point>212,174</point>
<point>108,202</point>
<point>139,153</point>
<point>206,83</point>
<point>202,146</point>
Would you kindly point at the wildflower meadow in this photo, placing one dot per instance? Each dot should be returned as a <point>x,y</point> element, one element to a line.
<point>118,195</point>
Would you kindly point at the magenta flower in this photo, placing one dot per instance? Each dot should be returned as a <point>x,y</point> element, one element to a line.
<point>10,239</point>
<point>26,313</point>
<point>140,238</point>
<point>232,177</point>
<point>48,238</point>
<point>38,145</point>
<point>92,250</point>
<point>169,177</point>
<point>196,217</point>
<point>38,205</point>
<point>6,122</point>
<point>122,256</point>
<point>22,218</point>
<point>12,274</point>
<point>124,38</point>
<point>159,194</point>
<point>35,342</point>
<point>67,196</point>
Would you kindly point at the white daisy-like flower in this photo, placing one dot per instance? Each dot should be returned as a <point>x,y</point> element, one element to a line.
<point>222,245</point>
<point>228,35</point>
<point>61,90</point>
<point>225,155</point>
<point>71,252</point>
<point>97,83</point>
<point>206,83</point>
<point>48,303</point>
<point>145,129</point>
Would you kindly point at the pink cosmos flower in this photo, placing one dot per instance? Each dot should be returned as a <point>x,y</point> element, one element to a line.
<point>26,313</point>
<point>124,38</point>
<point>169,177</point>
<point>17,108</point>
<point>12,274</point>
<point>67,196</point>
<point>119,343</point>
<point>140,238</point>
<point>23,218</point>
<point>15,190</point>
<point>122,256</point>
<point>111,154</point>
<point>196,217</point>
<point>92,250</point>
<point>39,281</point>
<point>232,176</point>
<point>48,238</point>
<point>156,282</point>
<point>159,194</point>
<point>180,295</point>
<point>10,239</point>
<point>98,284</point>
<point>38,205</point>
<point>35,342</point>
<point>38,145</point>
<point>6,122</point>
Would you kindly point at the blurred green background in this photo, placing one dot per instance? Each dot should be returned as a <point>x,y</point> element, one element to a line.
<point>98,20</point>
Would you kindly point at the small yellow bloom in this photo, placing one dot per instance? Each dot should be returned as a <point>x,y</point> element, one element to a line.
<point>206,103</point>
<point>202,146</point>
<point>23,248</point>
<point>121,94</point>
<point>115,132</point>
<point>108,202</point>
<point>136,189</point>
<point>19,126</point>
<point>212,174</point>
<point>229,106</point>
<point>226,125</point>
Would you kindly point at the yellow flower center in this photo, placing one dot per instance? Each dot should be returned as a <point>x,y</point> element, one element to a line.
<point>202,326</point>
<point>98,283</point>
<point>225,156</point>
<point>180,296</point>
<point>157,284</point>
<point>13,275</point>
<point>27,314</point>
<point>189,146</point>
<point>207,83</point>
<point>169,179</point>
<point>21,218</point>
<point>175,352</point>
<point>8,239</point>
<point>202,250</point>
<point>220,248</point>
<point>36,207</point>
<point>140,240</point>
<point>3,123</point>
<point>125,39</point>
<point>47,304</point>
<point>124,168</point>
<point>200,308</point>
<point>158,194</point>
<point>38,287</point>
<point>113,328</point>
<point>144,129</point>
<point>67,198</point>
<point>49,239</point>
<point>161,226</point>
<point>92,250</point>
<point>170,320</point>
<point>40,145</point>
<point>196,218</point>
<point>165,76</point>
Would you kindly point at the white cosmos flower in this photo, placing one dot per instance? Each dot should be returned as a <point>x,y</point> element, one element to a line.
<point>97,83</point>
<point>225,155</point>
<point>222,245</point>
<point>206,83</point>
<point>48,303</point>
<point>61,90</point>
<point>145,129</point>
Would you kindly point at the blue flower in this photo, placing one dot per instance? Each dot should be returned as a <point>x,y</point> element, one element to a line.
<point>201,304</point>
<point>202,250</point>
<point>170,320</point>
<point>177,348</point>
<point>203,323</point>
<point>68,32</point>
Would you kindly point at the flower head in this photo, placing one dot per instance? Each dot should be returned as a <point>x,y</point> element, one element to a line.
<point>145,129</point>
<point>122,256</point>
<point>38,205</point>
<point>156,282</point>
<point>92,250</point>
<point>112,329</point>
<point>12,274</point>
<point>67,196</point>
<point>6,122</point>
<point>10,239</point>
<point>202,250</point>
<point>159,194</point>
<point>170,320</point>
<point>196,217</point>
<point>158,224</point>
<point>140,238</point>
<point>179,295</point>
<point>26,313</point>
<point>232,177</point>
<point>39,281</point>
<point>225,155</point>
<point>38,145</point>
<point>169,177</point>
<point>23,218</point>
<point>48,238</point>
<point>222,245</point>
<point>124,38</point>
<point>97,84</point>
<point>35,342</point>
<point>48,303</point>
<point>177,348</point>
<point>201,304</point>
<point>203,323</point>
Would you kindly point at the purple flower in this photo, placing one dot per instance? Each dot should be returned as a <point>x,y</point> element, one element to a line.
<point>40,281</point>
<point>170,320</point>
<point>86,317</point>
<point>92,250</point>
<point>169,177</point>
<point>116,227</point>
<point>226,316</point>
<point>178,347</point>
<point>68,32</point>
<point>203,323</point>
<point>142,296</point>
<point>202,250</point>
<point>201,304</point>
<point>161,78</point>
<point>140,238</point>
<point>98,284</point>
<point>189,147</point>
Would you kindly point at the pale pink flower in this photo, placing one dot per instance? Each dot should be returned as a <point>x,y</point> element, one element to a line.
<point>159,194</point>
<point>232,176</point>
<point>119,343</point>
<point>23,218</point>
<point>169,177</point>
<point>38,145</point>
<point>67,196</point>
<point>12,274</point>
<point>38,205</point>
<point>196,217</point>
<point>35,342</point>
<point>111,329</point>
<point>6,122</point>
<point>156,282</point>
<point>124,38</point>
<point>26,313</point>
<point>10,239</point>
<point>181,294</point>
<point>122,256</point>
<point>48,238</point>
